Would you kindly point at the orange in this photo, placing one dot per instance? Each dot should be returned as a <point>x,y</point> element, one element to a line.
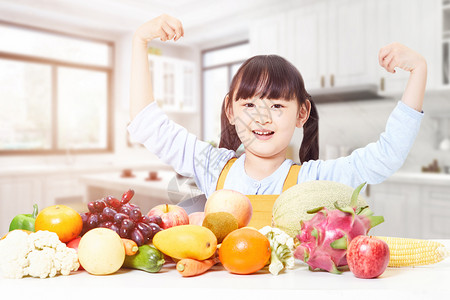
<point>244,251</point>
<point>60,219</point>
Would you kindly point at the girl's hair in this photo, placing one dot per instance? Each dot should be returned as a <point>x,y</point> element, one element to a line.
<point>272,77</point>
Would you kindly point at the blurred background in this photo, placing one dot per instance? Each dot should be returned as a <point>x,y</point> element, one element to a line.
<point>64,94</point>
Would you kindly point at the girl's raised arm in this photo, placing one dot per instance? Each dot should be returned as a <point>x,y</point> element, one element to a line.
<point>164,27</point>
<point>397,55</point>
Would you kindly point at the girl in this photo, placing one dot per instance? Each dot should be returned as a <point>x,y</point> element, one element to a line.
<point>267,100</point>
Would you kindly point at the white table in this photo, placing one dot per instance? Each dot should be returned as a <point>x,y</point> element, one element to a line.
<point>426,282</point>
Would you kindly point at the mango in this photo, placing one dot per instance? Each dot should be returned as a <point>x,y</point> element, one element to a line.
<point>186,241</point>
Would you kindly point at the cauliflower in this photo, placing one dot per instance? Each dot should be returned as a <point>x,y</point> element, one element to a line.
<point>40,254</point>
<point>282,247</point>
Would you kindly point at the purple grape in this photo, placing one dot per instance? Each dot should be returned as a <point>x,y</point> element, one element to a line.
<point>119,217</point>
<point>92,221</point>
<point>126,197</point>
<point>137,236</point>
<point>84,217</point>
<point>91,207</point>
<point>99,205</point>
<point>155,228</point>
<point>125,210</point>
<point>124,233</point>
<point>135,214</point>
<point>156,219</point>
<point>112,202</point>
<point>109,213</point>
<point>102,217</point>
<point>127,224</point>
<point>106,224</point>
<point>145,219</point>
<point>145,229</point>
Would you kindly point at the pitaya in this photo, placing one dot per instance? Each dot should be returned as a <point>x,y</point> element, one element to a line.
<point>324,238</point>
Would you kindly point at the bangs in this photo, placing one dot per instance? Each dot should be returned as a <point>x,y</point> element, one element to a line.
<point>267,76</point>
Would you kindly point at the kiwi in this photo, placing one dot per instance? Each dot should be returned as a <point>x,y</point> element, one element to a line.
<point>221,224</point>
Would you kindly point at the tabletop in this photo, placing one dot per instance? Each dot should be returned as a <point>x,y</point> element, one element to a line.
<point>424,282</point>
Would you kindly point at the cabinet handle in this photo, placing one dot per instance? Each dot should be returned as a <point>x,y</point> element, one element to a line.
<point>322,81</point>
<point>382,83</point>
<point>331,80</point>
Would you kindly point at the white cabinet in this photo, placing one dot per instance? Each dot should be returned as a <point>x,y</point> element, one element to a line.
<point>17,196</point>
<point>335,43</point>
<point>411,210</point>
<point>173,83</point>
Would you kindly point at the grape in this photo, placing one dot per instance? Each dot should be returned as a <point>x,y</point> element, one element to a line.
<point>115,228</point>
<point>156,219</point>
<point>91,207</point>
<point>112,202</point>
<point>84,217</point>
<point>109,213</point>
<point>137,236</point>
<point>135,214</point>
<point>124,233</point>
<point>145,229</point>
<point>125,210</point>
<point>126,197</point>
<point>119,217</point>
<point>92,221</point>
<point>106,224</point>
<point>102,217</point>
<point>145,219</point>
<point>155,228</point>
<point>127,224</point>
<point>99,205</point>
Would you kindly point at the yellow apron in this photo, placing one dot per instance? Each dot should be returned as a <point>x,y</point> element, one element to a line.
<point>262,204</point>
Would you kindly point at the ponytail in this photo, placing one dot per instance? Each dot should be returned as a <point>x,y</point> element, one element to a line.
<point>228,135</point>
<point>309,149</point>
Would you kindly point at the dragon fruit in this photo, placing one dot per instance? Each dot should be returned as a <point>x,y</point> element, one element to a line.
<point>324,238</point>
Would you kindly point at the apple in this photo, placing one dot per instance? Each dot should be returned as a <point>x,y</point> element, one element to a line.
<point>74,245</point>
<point>171,215</point>
<point>196,218</point>
<point>367,256</point>
<point>231,202</point>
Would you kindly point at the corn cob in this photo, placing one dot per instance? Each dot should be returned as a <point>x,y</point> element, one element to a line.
<point>407,252</point>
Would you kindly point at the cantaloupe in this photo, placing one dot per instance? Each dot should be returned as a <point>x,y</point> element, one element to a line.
<point>292,205</point>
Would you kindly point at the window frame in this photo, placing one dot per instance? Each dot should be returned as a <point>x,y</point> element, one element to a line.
<point>228,65</point>
<point>54,65</point>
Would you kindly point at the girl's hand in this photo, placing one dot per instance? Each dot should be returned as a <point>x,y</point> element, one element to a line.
<point>164,27</point>
<point>398,55</point>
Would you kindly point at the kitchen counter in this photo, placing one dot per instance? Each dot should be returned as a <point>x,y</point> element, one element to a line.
<point>440,179</point>
<point>425,282</point>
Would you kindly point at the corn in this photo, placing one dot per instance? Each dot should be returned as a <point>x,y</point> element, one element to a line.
<point>406,252</point>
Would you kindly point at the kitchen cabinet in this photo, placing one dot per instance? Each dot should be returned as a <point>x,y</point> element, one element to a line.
<point>336,43</point>
<point>173,83</point>
<point>413,205</point>
<point>17,196</point>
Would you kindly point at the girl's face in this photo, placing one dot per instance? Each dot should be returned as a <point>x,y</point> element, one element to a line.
<point>266,126</point>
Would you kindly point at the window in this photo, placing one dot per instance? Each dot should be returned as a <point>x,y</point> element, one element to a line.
<point>54,92</point>
<point>218,68</point>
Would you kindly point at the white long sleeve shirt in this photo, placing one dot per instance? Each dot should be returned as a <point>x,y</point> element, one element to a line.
<point>191,157</point>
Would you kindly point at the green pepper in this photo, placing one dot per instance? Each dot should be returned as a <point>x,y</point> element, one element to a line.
<point>24,221</point>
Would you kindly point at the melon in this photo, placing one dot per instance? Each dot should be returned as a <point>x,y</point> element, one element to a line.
<point>292,205</point>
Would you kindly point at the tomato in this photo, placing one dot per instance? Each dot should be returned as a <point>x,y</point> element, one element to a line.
<point>60,219</point>
<point>74,245</point>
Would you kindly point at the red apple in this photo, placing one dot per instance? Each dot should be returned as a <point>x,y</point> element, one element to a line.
<point>74,244</point>
<point>196,218</point>
<point>367,256</point>
<point>171,215</point>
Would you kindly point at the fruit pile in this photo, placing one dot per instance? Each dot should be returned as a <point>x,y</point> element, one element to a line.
<point>123,217</point>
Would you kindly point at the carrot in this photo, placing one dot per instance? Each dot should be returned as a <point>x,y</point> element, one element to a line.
<point>130,246</point>
<point>191,267</point>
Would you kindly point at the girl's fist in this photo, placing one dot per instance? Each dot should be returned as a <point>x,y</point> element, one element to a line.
<point>398,55</point>
<point>164,27</point>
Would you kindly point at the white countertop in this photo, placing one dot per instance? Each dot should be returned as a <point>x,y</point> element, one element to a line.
<point>425,282</point>
<point>440,179</point>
